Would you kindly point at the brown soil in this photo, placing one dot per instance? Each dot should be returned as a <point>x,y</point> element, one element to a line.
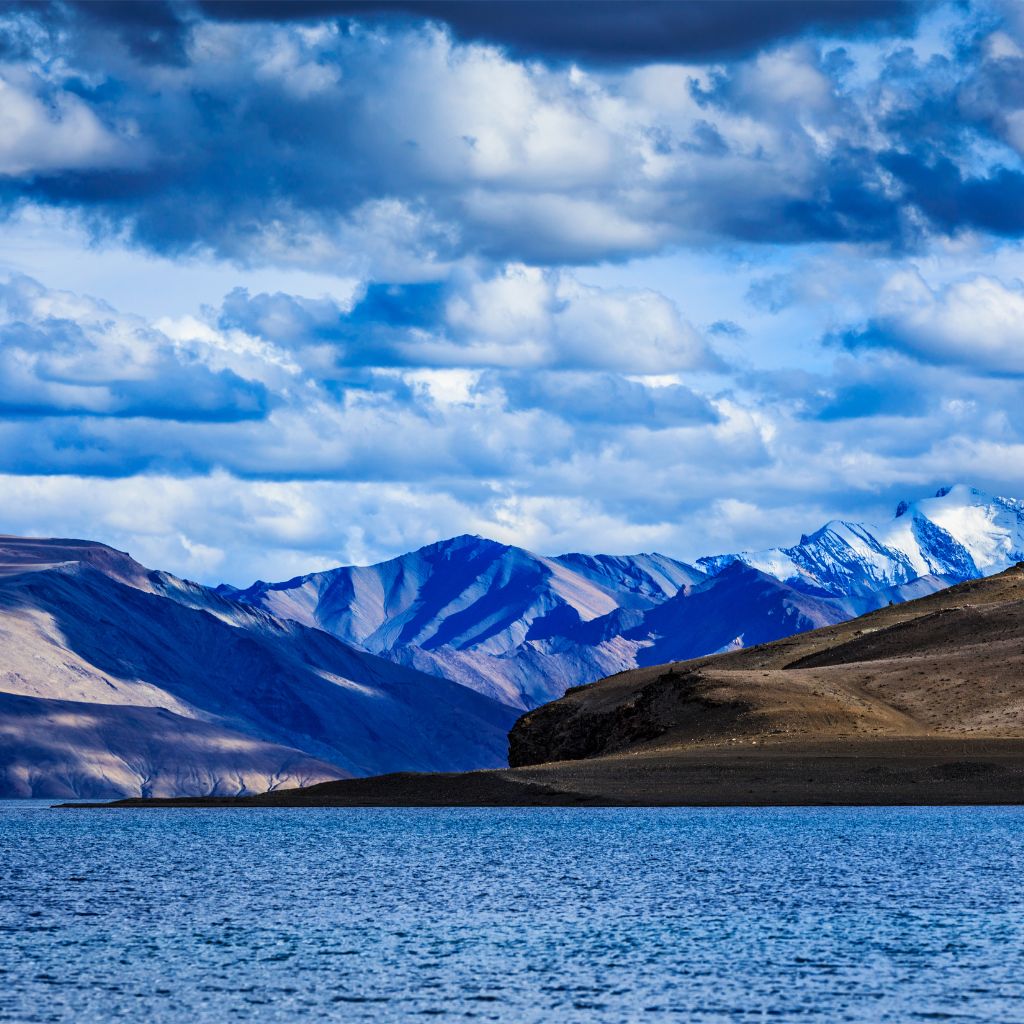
<point>946,666</point>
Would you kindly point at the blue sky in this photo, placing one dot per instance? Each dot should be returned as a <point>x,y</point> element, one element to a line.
<point>283,286</point>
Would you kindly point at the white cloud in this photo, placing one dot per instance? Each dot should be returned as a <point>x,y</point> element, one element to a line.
<point>64,354</point>
<point>525,317</point>
<point>65,134</point>
<point>977,321</point>
<point>419,150</point>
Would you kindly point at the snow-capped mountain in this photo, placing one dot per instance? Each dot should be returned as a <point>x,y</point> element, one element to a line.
<point>961,533</point>
<point>523,627</point>
<point>116,679</point>
<point>120,681</point>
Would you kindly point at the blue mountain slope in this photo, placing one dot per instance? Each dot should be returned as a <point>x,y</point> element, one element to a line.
<point>522,627</point>
<point>741,607</point>
<point>309,705</point>
<point>494,617</point>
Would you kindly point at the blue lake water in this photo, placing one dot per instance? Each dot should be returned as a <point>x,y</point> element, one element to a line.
<point>512,915</point>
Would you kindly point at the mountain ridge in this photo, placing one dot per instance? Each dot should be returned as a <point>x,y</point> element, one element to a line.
<point>485,614</point>
<point>96,654</point>
<point>523,627</point>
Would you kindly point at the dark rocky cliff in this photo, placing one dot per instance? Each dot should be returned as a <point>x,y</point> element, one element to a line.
<point>582,724</point>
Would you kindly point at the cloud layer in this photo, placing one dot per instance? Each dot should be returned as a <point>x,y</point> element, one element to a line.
<point>341,140</point>
<point>678,276</point>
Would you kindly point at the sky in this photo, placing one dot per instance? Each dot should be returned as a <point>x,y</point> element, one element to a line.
<point>290,285</point>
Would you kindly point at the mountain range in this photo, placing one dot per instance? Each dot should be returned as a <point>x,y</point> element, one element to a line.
<point>120,680</point>
<point>917,703</point>
<point>523,628</point>
<point>116,680</point>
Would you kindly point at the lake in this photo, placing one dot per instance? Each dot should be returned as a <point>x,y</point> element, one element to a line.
<point>190,916</point>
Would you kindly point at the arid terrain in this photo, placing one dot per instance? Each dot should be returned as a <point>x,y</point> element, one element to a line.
<point>949,665</point>
<point>915,703</point>
<point>118,680</point>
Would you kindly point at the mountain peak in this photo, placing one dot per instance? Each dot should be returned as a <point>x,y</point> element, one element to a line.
<point>949,494</point>
<point>464,540</point>
<point>960,533</point>
<point>22,554</point>
<point>962,492</point>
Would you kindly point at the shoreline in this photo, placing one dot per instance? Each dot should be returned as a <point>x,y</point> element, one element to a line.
<point>922,771</point>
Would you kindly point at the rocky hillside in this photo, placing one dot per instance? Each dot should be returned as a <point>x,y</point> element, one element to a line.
<point>116,680</point>
<point>943,666</point>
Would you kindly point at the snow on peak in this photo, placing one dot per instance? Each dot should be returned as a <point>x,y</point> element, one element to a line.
<point>962,532</point>
<point>990,529</point>
<point>521,627</point>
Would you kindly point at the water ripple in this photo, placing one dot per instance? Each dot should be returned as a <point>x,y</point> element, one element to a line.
<point>512,915</point>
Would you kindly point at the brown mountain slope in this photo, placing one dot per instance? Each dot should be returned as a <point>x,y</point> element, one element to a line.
<point>919,703</point>
<point>948,665</point>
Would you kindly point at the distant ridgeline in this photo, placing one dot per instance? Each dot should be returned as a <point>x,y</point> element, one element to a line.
<point>119,680</point>
<point>523,628</point>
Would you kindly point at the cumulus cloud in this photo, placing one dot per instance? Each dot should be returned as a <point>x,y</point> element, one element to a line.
<point>554,320</point>
<point>41,134</point>
<point>977,322</point>
<point>475,378</point>
<point>62,355</point>
<point>605,398</point>
<point>518,317</point>
<point>993,95</point>
<point>328,142</point>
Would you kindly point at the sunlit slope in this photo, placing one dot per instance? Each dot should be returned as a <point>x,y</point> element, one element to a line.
<point>160,686</point>
<point>947,665</point>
